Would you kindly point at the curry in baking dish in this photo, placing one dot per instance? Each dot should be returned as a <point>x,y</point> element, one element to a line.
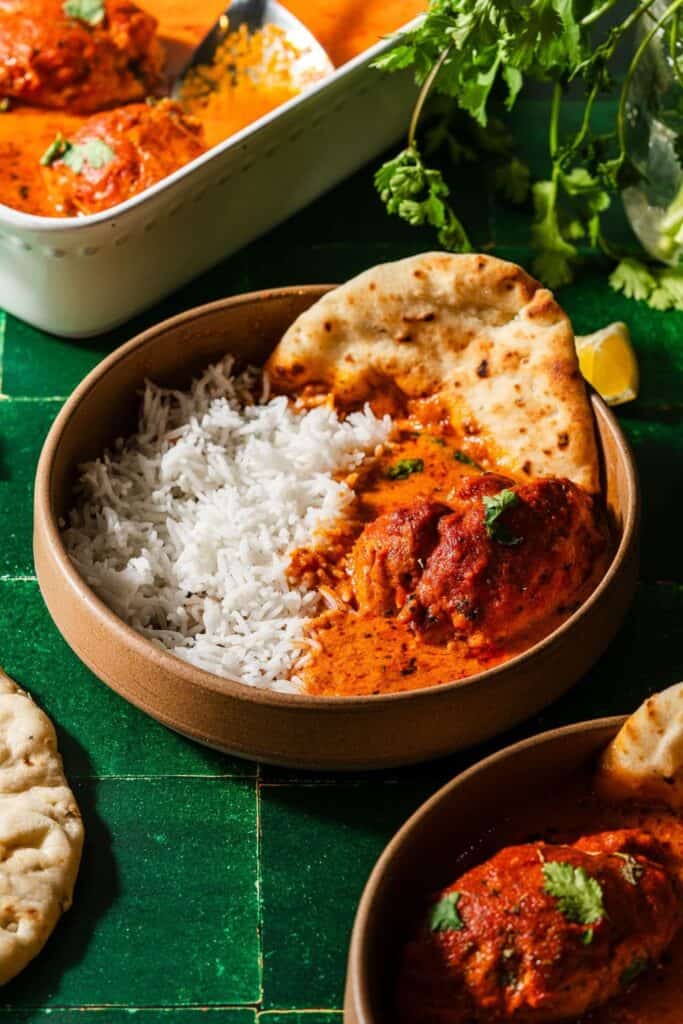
<point>573,910</point>
<point>80,129</point>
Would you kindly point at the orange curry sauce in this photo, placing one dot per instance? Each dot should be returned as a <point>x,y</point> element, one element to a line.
<point>354,653</point>
<point>563,816</point>
<point>344,27</point>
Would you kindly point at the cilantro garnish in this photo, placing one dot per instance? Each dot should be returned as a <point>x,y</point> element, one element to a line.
<point>94,152</point>
<point>660,287</point>
<point>404,468</point>
<point>90,11</point>
<point>474,57</point>
<point>444,916</point>
<point>634,969</point>
<point>465,459</point>
<point>494,507</point>
<point>55,151</point>
<point>579,897</point>
<point>419,195</point>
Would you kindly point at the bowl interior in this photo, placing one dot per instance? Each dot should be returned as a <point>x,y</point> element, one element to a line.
<point>421,857</point>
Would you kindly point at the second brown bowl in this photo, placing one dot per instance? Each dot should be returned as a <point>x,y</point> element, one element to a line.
<point>421,855</point>
<point>296,730</point>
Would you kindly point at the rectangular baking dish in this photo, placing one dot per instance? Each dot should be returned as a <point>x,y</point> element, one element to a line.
<point>80,276</point>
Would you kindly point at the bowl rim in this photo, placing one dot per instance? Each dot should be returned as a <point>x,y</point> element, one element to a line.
<point>200,679</point>
<point>357,975</point>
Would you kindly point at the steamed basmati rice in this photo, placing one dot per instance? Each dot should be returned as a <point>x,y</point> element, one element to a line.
<point>186,529</point>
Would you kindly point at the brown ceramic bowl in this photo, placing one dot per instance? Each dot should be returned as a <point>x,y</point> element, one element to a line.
<point>420,857</point>
<point>300,731</point>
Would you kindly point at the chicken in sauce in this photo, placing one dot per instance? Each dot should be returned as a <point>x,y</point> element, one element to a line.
<point>445,567</point>
<point>456,569</point>
<point>50,58</point>
<point>543,932</point>
<point>117,154</point>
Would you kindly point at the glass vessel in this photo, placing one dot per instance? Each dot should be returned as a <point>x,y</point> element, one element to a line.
<point>654,120</point>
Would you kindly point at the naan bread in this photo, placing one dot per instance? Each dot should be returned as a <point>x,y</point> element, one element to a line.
<point>645,759</point>
<point>41,832</point>
<point>475,329</point>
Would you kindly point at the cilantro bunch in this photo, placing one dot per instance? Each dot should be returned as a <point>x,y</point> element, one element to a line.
<point>475,56</point>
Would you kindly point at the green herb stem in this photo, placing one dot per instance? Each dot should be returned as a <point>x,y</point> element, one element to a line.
<point>423,96</point>
<point>673,39</point>
<point>555,119</point>
<point>595,15</point>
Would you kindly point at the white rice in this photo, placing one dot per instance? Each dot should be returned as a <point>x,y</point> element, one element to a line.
<point>186,529</point>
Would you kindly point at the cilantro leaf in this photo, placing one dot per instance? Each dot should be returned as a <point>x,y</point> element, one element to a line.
<point>556,256</point>
<point>418,195</point>
<point>94,152</point>
<point>404,468</point>
<point>465,459</point>
<point>632,278</point>
<point>579,897</point>
<point>90,11</point>
<point>55,151</point>
<point>511,181</point>
<point>444,914</point>
<point>660,287</point>
<point>494,507</point>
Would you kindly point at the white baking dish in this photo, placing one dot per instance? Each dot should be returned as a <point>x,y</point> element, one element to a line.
<point>80,276</point>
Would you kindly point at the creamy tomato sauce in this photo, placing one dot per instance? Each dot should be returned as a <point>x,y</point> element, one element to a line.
<point>344,27</point>
<point>360,653</point>
<point>571,811</point>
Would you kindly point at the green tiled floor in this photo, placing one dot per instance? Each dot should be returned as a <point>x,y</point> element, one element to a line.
<point>214,890</point>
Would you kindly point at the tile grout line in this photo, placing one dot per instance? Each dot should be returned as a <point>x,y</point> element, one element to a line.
<point>233,776</point>
<point>202,1008</point>
<point>259,888</point>
<point>27,399</point>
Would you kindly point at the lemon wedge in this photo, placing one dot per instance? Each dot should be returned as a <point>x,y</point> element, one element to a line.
<point>608,362</point>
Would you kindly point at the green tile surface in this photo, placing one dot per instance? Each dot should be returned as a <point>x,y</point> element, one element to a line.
<point>212,889</point>
<point>333,833</point>
<point>166,908</point>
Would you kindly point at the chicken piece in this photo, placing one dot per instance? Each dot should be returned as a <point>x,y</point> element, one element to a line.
<point>451,573</point>
<point>51,59</point>
<point>115,155</point>
<point>390,555</point>
<point>501,944</point>
<point>532,561</point>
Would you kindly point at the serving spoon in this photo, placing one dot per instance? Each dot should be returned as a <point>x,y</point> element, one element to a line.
<point>311,62</point>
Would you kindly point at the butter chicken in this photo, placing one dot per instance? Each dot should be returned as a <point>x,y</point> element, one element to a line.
<point>62,61</point>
